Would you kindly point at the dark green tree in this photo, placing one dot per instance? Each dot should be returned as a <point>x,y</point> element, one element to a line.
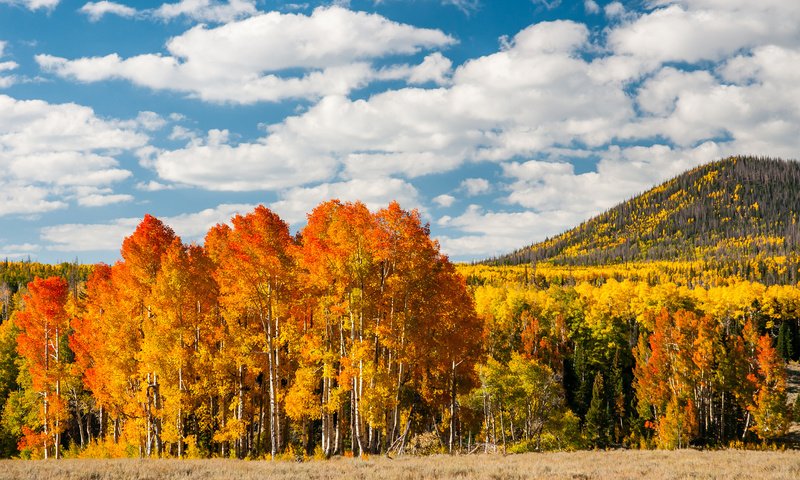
<point>598,416</point>
<point>785,342</point>
<point>616,401</point>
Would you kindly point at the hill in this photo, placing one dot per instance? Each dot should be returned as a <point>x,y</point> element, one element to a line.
<point>737,216</point>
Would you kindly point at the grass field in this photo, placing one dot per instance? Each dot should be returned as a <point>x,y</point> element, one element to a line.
<point>652,465</point>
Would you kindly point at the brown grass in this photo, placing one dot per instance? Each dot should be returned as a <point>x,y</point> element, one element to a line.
<point>652,465</point>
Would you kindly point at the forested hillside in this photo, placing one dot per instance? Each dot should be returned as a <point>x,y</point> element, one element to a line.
<point>736,216</point>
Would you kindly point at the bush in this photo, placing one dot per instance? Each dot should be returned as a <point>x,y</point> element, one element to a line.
<point>796,409</point>
<point>424,444</point>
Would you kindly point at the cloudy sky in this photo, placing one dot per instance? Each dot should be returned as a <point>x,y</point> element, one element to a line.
<point>503,122</point>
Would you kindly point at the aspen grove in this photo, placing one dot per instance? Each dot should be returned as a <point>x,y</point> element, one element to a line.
<point>357,336</point>
<point>331,339</point>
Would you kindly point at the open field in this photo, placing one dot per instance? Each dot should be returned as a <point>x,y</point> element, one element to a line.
<point>653,465</point>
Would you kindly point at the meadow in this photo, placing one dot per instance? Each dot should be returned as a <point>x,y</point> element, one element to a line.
<point>653,465</point>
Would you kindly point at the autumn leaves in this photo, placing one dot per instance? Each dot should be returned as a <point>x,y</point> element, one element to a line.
<point>357,334</point>
<point>258,340</point>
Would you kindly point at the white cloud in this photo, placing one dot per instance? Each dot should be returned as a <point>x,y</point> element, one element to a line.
<point>513,103</point>
<point>614,10</point>
<point>19,250</point>
<point>692,30</point>
<point>475,186</point>
<point>375,193</point>
<point>215,164</point>
<point>207,10</point>
<point>244,61</point>
<point>153,186</point>
<point>97,10</point>
<point>494,233</point>
<point>18,198</point>
<point>444,200</point>
<point>6,66</point>
<point>435,68</point>
<point>623,103</point>
<point>34,4</point>
<point>591,7</point>
<point>550,187</point>
<point>191,227</point>
<point>101,200</point>
<point>51,153</point>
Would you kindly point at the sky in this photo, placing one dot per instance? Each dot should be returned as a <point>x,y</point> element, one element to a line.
<point>503,122</point>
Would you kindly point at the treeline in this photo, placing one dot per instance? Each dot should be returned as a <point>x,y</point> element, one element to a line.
<point>351,336</point>
<point>737,215</point>
<point>16,275</point>
<point>640,365</point>
<point>357,336</point>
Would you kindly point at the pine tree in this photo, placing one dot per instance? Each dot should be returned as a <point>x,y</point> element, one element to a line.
<point>616,401</point>
<point>597,418</point>
<point>784,343</point>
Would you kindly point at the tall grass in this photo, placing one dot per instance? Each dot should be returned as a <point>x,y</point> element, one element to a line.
<point>650,465</point>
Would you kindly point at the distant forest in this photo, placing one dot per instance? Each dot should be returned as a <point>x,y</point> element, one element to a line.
<point>736,216</point>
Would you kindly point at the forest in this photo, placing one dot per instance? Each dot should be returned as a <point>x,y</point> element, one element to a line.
<point>736,216</point>
<point>357,337</point>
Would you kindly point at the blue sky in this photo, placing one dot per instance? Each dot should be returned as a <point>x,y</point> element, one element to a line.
<point>503,122</point>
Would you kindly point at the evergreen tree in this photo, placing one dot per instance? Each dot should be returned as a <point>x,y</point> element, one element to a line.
<point>784,343</point>
<point>616,401</point>
<point>796,409</point>
<point>597,418</point>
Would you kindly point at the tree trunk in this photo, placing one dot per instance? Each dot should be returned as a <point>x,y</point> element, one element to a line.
<point>452,408</point>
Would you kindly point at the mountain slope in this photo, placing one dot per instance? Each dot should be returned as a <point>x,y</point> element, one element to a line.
<point>727,211</point>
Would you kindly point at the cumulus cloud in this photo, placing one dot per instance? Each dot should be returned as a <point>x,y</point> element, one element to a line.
<point>475,186</point>
<point>97,10</point>
<point>514,102</point>
<point>591,7</point>
<point>375,193</point>
<point>487,233</point>
<point>21,250</point>
<point>34,4</point>
<point>102,198</point>
<point>191,227</point>
<point>53,153</point>
<point>575,122</point>
<point>697,30</point>
<point>215,164</point>
<point>245,61</point>
<point>444,200</point>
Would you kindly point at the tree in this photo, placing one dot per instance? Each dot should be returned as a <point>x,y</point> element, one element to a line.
<point>142,253</point>
<point>106,340</point>
<point>785,341</point>
<point>598,415</point>
<point>43,325</point>
<point>769,408</point>
<point>9,371</point>
<point>254,269</point>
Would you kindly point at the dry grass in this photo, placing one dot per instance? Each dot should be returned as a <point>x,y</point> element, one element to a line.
<point>652,465</point>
